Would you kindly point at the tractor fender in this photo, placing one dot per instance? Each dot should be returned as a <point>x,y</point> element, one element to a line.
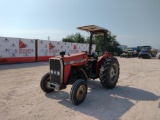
<point>99,62</point>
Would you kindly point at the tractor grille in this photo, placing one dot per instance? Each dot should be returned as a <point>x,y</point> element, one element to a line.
<point>55,71</point>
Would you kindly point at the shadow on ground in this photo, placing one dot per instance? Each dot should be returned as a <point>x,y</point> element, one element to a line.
<point>22,65</point>
<point>105,104</point>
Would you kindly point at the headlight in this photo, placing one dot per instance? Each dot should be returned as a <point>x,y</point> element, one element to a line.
<point>51,71</point>
<point>55,72</point>
<point>58,73</point>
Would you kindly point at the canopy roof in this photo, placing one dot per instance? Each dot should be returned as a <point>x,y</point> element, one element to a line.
<point>92,28</point>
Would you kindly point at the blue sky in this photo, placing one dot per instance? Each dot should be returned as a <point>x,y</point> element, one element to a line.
<point>135,22</point>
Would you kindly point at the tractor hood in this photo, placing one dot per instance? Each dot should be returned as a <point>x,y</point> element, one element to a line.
<point>74,59</point>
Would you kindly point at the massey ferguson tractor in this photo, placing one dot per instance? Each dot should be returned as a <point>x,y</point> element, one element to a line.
<point>76,69</point>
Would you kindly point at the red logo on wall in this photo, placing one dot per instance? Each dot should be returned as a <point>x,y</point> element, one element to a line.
<point>22,44</point>
<point>51,46</point>
<point>74,50</point>
<point>23,48</point>
<point>74,47</point>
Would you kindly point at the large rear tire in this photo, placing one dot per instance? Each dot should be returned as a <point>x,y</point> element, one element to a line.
<point>43,84</point>
<point>78,92</point>
<point>109,72</point>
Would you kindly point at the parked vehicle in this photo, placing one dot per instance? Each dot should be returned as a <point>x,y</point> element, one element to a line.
<point>127,54</point>
<point>154,52</point>
<point>145,52</point>
<point>158,55</point>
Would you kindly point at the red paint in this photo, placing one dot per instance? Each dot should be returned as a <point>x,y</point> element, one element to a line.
<point>17,60</point>
<point>73,57</point>
<point>66,73</point>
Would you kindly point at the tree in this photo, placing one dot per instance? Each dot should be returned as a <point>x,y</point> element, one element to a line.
<point>76,38</point>
<point>112,43</point>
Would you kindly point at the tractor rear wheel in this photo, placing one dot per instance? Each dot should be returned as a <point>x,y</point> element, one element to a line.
<point>43,84</point>
<point>78,91</point>
<point>109,72</point>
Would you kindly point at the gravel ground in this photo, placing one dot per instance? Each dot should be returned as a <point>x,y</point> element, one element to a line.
<point>136,96</point>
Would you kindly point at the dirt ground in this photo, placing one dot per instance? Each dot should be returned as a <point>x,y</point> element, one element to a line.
<point>136,96</point>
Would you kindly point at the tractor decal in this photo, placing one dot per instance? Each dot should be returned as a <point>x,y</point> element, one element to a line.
<point>74,62</point>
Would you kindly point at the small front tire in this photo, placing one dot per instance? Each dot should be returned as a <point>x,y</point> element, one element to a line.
<point>43,84</point>
<point>78,91</point>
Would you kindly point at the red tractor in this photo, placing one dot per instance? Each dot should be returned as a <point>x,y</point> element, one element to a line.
<point>76,69</point>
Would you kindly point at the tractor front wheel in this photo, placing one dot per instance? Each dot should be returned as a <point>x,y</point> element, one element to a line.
<point>109,72</point>
<point>44,83</point>
<point>78,92</point>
